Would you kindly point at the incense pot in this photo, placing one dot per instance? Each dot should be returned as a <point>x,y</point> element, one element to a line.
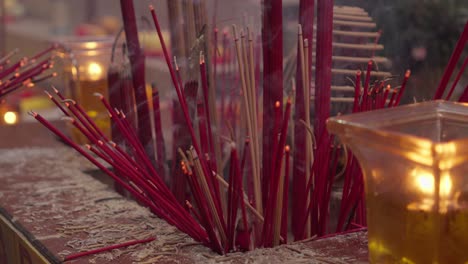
<point>414,163</point>
<point>86,62</point>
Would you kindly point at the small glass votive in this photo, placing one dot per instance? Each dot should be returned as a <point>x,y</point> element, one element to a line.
<point>85,65</point>
<point>415,164</point>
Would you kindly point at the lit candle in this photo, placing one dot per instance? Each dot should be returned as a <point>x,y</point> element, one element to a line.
<point>94,71</point>
<point>85,75</point>
<point>10,117</point>
<point>424,183</point>
<point>415,166</point>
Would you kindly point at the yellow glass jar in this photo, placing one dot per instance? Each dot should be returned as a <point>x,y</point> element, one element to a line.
<point>415,164</point>
<point>85,65</point>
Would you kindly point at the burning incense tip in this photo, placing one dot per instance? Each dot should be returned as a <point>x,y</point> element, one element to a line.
<point>99,95</point>
<point>359,73</point>
<point>69,101</point>
<point>389,87</point>
<point>287,148</point>
<point>202,58</point>
<point>369,63</point>
<point>407,74</point>
<point>48,94</point>
<point>151,7</point>
<point>233,145</point>
<point>277,104</point>
<point>88,146</point>
<point>55,89</point>
<point>32,113</point>
<point>67,118</point>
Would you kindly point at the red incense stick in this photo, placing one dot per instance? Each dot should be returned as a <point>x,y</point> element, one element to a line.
<point>402,88</point>
<point>160,146</point>
<point>357,91</point>
<point>108,248</point>
<point>137,61</point>
<point>306,20</point>
<point>365,92</point>
<point>464,96</point>
<point>452,63</point>
<point>455,82</point>
<point>323,61</point>
<point>272,40</point>
<point>206,95</point>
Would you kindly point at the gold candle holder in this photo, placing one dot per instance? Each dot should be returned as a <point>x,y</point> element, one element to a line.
<point>414,161</point>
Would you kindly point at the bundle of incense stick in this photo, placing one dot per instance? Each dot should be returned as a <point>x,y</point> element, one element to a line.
<point>26,72</point>
<point>238,200</point>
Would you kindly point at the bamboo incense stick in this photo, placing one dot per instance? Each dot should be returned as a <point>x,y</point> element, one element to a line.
<point>253,100</point>
<point>255,162</point>
<point>279,209</point>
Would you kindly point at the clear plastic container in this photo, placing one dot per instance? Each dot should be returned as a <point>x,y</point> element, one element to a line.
<point>414,160</point>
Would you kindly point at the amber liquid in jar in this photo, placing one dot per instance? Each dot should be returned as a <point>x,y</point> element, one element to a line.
<point>84,95</point>
<point>85,65</point>
<point>412,234</point>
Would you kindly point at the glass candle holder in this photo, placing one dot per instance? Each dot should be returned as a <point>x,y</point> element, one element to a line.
<point>85,66</point>
<point>414,161</point>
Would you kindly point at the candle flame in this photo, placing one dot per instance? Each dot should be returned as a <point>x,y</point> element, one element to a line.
<point>10,118</point>
<point>445,185</point>
<point>94,71</point>
<point>424,181</point>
